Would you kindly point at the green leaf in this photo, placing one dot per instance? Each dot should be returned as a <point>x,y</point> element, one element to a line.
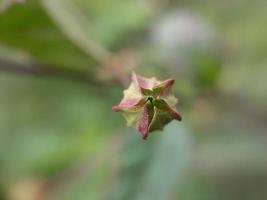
<point>73,22</point>
<point>91,22</point>
<point>168,164</point>
<point>111,20</point>
<point>6,4</point>
<point>28,28</point>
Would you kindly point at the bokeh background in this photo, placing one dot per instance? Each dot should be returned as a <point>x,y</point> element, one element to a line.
<point>64,64</point>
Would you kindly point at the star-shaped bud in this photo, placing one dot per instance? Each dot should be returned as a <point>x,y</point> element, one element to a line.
<point>148,104</point>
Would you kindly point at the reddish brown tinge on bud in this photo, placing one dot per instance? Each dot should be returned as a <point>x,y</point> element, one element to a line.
<point>148,104</point>
<point>144,123</point>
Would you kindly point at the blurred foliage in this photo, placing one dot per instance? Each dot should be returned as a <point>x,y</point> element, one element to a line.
<point>29,28</point>
<point>59,138</point>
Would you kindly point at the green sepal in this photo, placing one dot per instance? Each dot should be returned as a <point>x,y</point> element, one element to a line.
<point>146,92</point>
<point>160,119</point>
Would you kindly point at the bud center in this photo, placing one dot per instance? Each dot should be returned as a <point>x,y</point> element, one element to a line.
<point>150,100</point>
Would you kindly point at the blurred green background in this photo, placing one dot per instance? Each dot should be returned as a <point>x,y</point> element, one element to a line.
<point>64,64</point>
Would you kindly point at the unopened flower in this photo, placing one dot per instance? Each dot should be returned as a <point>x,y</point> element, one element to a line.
<point>148,104</point>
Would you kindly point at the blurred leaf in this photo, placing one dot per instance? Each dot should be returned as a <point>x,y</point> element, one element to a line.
<point>246,80</point>
<point>74,24</point>
<point>168,165</point>
<point>102,21</point>
<point>236,155</point>
<point>28,28</point>
<point>9,54</point>
<point>45,125</point>
<point>135,156</point>
<point>6,4</point>
<point>153,169</point>
<point>206,67</point>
